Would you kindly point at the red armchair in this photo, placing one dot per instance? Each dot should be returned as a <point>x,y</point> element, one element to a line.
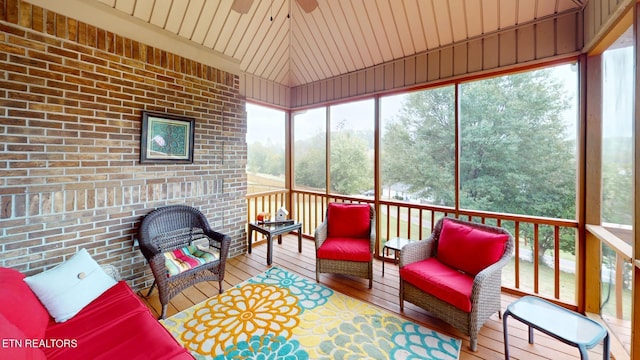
<point>456,273</point>
<point>345,241</point>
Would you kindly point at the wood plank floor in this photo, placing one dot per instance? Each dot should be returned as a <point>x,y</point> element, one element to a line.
<point>384,294</point>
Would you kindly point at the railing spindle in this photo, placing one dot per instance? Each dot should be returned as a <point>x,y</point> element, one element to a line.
<point>556,261</point>
<point>534,255</point>
<point>309,208</point>
<point>517,254</point>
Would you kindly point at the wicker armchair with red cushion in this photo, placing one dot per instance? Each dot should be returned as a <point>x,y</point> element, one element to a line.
<point>456,273</point>
<point>345,241</point>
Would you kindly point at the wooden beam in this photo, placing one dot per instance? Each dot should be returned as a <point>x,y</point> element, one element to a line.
<point>635,289</point>
<point>591,149</point>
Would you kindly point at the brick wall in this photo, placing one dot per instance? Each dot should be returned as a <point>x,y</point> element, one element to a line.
<point>71,97</point>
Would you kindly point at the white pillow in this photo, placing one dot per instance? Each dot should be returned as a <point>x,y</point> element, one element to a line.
<point>69,287</point>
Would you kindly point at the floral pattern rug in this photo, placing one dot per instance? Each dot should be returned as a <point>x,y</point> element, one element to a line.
<point>281,315</point>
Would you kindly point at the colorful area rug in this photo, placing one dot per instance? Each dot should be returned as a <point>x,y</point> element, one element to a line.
<point>281,315</point>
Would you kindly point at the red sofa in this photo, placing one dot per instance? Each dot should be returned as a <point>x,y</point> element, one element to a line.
<point>116,325</point>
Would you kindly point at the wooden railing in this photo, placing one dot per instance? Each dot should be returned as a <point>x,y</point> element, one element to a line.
<point>528,273</point>
<point>623,255</point>
<point>268,201</point>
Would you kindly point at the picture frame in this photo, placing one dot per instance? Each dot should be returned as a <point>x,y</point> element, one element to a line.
<point>166,138</point>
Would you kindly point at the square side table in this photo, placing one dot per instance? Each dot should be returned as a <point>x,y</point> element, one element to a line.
<point>396,244</point>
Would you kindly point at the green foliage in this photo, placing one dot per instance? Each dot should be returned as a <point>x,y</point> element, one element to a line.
<point>419,148</point>
<point>265,158</point>
<point>514,157</point>
<point>351,166</point>
<point>617,176</point>
<point>351,170</point>
<point>310,162</point>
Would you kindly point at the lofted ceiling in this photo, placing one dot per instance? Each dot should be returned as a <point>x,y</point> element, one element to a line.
<point>278,41</point>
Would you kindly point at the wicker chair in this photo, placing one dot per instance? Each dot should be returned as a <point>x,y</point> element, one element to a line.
<point>482,284</point>
<point>346,224</point>
<point>171,230</point>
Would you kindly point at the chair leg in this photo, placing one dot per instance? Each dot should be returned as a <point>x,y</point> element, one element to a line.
<point>220,286</point>
<point>370,283</point>
<point>151,289</point>
<point>401,295</point>
<point>474,344</point>
<point>164,311</point>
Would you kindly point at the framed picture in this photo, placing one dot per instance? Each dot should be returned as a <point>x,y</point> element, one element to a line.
<point>166,138</point>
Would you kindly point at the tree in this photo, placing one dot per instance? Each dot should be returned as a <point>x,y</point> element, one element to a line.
<point>514,155</point>
<point>351,167</point>
<point>351,170</point>
<point>419,148</point>
<point>310,162</point>
<point>265,158</point>
<point>617,180</point>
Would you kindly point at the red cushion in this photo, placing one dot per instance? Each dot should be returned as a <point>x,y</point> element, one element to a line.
<point>441,281</point>
<point>349,220</point>
<point>15,345</point>
<point>337,248</point>
<point>20,306</point>
<point>117,325</point>
<point>469,249</point>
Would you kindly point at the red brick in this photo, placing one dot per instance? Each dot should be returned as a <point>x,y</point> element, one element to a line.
<point>78,139</point>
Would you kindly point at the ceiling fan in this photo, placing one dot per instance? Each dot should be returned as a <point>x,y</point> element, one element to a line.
<point>243,6</point>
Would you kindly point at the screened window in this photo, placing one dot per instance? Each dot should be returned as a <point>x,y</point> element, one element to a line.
<point>518,156</point>
<point>617,131</point>
<point>617,183</point>
<point>265,148</point>
<point>418,146</point>
<point>351,147</point>
<point>310,147</point>
<point>518,143</point>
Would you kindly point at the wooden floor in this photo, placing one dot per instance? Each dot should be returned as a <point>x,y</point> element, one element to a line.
<point>385,295</point>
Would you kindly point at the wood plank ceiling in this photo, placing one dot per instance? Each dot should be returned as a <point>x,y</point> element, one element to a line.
<point>278,41</point>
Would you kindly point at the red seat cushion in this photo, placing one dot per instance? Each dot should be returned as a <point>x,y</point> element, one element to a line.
<point>20,306</point>
<point>117,325</point>
<point>349,220</point>
<point>441,281</point>
<point>15,345</point>
<point>339,248</point>
<point>469,249</point>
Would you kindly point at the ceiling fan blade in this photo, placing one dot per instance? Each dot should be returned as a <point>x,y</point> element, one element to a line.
<point>241,6</point>
<point>308,5</point>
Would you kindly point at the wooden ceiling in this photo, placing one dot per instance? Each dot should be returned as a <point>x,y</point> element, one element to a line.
<point>278,41</point>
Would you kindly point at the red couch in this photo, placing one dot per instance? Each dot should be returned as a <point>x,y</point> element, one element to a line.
<point>116,325</point>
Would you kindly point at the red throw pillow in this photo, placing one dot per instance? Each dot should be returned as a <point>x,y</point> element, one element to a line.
<point>349,220</point>
<point>467,248</point>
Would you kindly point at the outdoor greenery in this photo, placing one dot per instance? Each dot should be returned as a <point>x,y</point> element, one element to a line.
<point>515,156</point>
<point>265,158</point>
<point>351,167</point>
<point>311,167</point>
<point>617,171</point>
<point>514,151</point>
